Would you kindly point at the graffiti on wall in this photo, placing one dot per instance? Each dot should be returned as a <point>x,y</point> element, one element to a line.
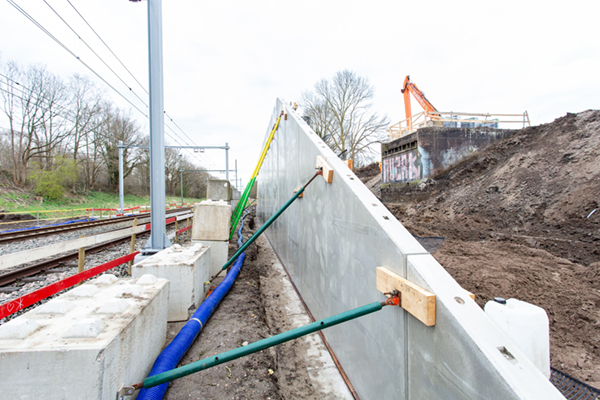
<point>403,167</point>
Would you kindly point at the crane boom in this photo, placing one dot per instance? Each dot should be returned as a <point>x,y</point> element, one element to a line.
<point>409,88</point>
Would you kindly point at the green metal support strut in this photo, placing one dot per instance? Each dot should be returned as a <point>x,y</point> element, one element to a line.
<point>266,225</point>
<point>260,345</point>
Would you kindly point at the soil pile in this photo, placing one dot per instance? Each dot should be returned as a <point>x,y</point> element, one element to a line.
<point>519,222</point>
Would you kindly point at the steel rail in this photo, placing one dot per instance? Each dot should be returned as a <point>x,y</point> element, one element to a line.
<point>24,272</point>
<point>8,237</point>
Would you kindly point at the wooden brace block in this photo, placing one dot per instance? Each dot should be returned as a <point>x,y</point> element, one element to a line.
<point>415,300</point>
<point>296,191</point>
<point>327,170</point>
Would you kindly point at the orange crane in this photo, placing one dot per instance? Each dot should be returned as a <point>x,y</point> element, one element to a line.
<point>409,88</point>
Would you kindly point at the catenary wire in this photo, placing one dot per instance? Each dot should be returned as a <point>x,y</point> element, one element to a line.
<point>29,17</point>
<point>96,54</point>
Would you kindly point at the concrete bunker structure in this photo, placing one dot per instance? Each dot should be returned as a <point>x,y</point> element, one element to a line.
<point>431,150</point>
<point>332,241</point>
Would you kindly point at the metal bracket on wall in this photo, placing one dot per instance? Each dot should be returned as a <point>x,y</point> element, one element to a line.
<point>327,170</point>
<point>296,191</point>
<point>415,300</point>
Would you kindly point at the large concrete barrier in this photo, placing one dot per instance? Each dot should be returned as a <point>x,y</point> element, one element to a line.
<point>332,240</point>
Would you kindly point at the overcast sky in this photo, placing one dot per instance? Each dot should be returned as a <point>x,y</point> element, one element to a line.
<point>225,62</point>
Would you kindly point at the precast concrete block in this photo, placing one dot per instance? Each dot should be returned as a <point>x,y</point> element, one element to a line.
<point>187,268</point>
<point>211,220</point>
<point>84,347</point>
<point>218,190</point>
<point>219,250</point>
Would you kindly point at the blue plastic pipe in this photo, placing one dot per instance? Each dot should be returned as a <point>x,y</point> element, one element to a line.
<point>174,352</point>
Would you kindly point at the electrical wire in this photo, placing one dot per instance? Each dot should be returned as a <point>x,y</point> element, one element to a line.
<point>109,49</point>
<point>24,90</point>
<point>96,54</point>
<point>173,137</point>
<point>34,21</point>
<point>125,67</point>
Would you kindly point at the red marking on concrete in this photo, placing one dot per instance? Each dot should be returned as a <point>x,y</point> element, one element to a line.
<point>40,294</point>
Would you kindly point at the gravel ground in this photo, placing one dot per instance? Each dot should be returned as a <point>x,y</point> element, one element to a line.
<point>91,260</point>
<point>14,247</point>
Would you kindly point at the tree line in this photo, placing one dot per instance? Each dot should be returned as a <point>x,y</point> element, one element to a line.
<point>62,135</point>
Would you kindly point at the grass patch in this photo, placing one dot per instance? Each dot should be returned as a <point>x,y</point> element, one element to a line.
<point>26,203</point>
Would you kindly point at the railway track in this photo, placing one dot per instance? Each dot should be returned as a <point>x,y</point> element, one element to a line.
<point>20,273</point>
<point>8,237</point>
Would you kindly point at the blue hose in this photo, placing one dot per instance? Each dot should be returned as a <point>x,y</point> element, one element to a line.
<point>174,352</point>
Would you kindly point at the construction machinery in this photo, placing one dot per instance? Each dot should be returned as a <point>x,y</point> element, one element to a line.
<point>409,88</point>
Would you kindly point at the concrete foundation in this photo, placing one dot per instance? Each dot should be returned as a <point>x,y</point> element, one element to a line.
<point>87,342</point>
<point>211,220</point>
<point>218,190</point>
<point>332,240</point>
<point>187,268</point>
<point>219,250</point>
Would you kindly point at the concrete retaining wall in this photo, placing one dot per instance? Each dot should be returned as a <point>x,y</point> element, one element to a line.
<point>332,240</point>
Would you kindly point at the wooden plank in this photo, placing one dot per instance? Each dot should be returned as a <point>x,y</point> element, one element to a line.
<point>415,300</point>
<point>327,170</point>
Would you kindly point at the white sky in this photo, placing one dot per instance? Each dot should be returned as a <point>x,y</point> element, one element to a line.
<point>225,62</point>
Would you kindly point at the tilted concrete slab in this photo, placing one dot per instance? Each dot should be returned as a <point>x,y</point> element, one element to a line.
<point>332,240</point>
<point>85,344</point>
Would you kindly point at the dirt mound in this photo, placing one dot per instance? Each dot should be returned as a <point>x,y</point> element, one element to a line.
<point>520,222</point>
<point>16,217</point>
<point>538,187</point>
<point>368,171</point>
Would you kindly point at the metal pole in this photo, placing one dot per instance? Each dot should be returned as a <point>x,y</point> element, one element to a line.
<point>236,186</point>
<point>121,185</point>
<point>226,161</point>
<point>181,176</point>
<point>158,238</point>
<point>181,179</point>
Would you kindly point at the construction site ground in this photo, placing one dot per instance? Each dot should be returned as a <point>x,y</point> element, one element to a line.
<point>257,306</point>
<point>518,221</point>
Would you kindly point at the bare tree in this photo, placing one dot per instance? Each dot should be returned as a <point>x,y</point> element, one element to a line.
<point>87,112</point>
<point>119,126</point>
<point>33,102</point>
<point>340,112</point>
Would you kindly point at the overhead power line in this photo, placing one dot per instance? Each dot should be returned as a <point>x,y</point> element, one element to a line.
<point>175,137</point>
<point>109,49</point>
<point>96,54</point>
<point>33,20</point>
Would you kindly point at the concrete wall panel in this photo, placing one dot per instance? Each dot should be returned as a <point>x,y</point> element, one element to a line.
<point>331,242</point>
